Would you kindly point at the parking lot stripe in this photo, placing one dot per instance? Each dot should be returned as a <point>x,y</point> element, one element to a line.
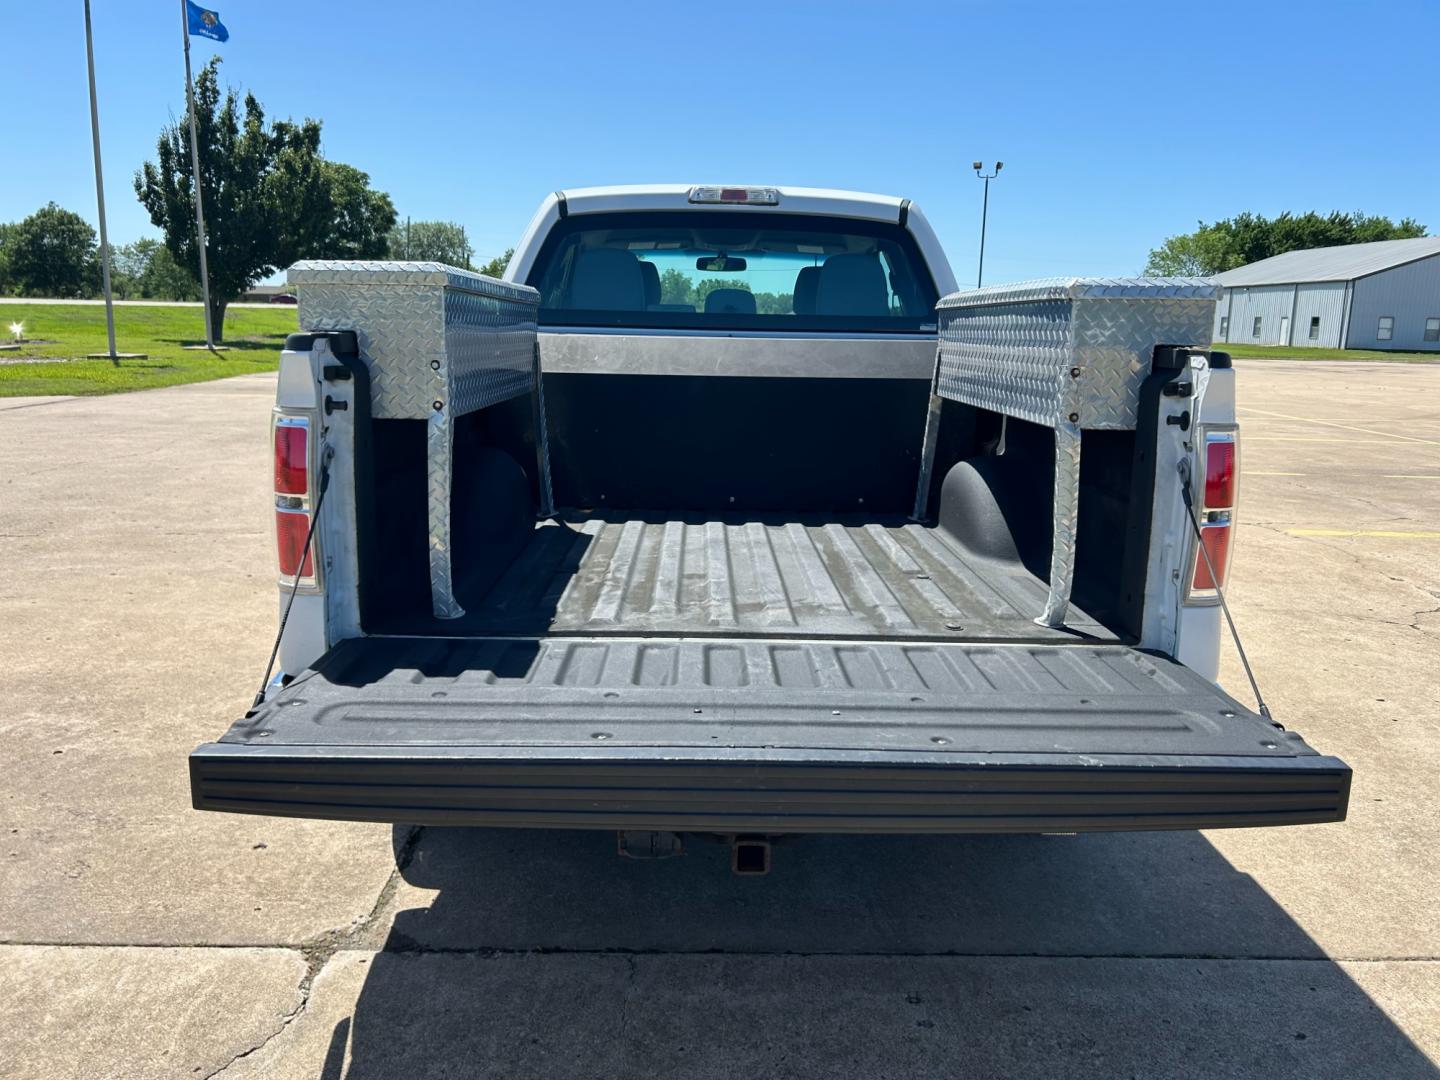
<point>1319,439</point>
<point>1389,534</point>
<point>1383,476</point>
<point>1347,427</point>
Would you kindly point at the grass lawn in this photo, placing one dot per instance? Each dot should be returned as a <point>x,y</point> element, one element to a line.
<point>69,331</point>
<point>1288,352</point>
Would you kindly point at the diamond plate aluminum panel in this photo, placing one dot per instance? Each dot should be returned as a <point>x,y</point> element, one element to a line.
<point>439,447</point>
<point>1044,350</point>
<point>388,272</point>
<point>1074,288</point>
<point>1065,519</point>
<point>1071,354</point>
<point>428,332</point>
<point>440,342</point>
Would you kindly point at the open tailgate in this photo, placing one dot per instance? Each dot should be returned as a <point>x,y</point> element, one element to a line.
<point>763,737</point>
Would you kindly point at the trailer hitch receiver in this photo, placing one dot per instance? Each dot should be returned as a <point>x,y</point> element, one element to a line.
<point>750,855</point>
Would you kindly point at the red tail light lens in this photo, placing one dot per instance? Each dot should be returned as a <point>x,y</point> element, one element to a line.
<point>291,529</point>
<point>292,458</point>
<point>1216,539</point>
<point>1220,473</point>
<point>1216,513</point>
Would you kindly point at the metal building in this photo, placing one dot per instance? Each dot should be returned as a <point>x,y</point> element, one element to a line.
<point>1384,295</point>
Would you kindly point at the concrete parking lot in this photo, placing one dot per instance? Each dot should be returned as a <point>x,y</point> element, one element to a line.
<point>139,938</point>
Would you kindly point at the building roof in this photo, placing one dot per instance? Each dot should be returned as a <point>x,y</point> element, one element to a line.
<point>1343,263</point>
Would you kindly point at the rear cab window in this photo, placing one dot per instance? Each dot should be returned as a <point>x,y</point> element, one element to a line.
<point>729,270</point>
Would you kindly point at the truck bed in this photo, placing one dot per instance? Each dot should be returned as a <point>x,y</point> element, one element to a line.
<point>748,574</point>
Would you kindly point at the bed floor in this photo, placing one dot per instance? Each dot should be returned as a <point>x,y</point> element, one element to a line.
<point>637,575</point>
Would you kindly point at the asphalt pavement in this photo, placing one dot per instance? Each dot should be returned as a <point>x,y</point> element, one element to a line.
<point>139,938</point>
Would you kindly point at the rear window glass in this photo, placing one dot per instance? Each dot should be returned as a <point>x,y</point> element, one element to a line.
<point>732,270</point>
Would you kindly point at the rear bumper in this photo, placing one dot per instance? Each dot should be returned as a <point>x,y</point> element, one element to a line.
<point>767,791</point>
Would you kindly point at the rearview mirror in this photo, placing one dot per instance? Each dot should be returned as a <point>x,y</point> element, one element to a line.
<point>724,264</point>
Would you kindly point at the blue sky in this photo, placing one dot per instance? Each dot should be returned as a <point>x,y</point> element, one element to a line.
<point>1119,124</point>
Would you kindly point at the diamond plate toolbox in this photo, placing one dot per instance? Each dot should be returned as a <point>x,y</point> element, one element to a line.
<point>439,343</point>
<point>428,332</point>
<point>1044,350</point>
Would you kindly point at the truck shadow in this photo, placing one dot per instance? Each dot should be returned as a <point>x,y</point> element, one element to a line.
<point>544,954</point>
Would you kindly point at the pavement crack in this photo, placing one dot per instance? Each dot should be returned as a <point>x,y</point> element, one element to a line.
<point>285,1021</point>
<point>1418,615</point>
<point>318,950</point>
<point>1367,564</point>
<point>492,952</point>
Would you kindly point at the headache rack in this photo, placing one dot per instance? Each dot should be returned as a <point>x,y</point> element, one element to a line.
<point>439,342</point>
<point>1067,353</point>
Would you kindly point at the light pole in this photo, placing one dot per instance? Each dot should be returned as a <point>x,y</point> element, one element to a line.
<point>984,212</point>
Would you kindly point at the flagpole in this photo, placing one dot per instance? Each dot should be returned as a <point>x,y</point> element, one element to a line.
<point>195,164</point>
<point>99,186</point>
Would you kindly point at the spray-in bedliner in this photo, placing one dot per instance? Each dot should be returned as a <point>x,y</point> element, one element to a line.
<point>608,574</point>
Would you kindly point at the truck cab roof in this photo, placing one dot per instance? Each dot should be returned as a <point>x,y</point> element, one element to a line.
<point>826,202</point>
<point>794,200</point>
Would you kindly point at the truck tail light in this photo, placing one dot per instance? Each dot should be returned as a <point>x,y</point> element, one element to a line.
<point>1216,539</point>
<point>292,527</point>
<point>292,456</point>
<point>1221,463</point>
<point>1220,477</point>
<point>293,503</point>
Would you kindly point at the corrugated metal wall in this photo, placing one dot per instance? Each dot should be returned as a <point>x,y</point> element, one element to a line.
<point>1323,300</point>
<point>1409,293</point>
<point>1222,318</point>
<point>1269,303</point>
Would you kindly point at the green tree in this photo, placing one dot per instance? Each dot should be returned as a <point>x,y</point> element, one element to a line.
<point>496,267</point>
<point>270,197</point>
<point>52,253</point>
<point>431,241</point>
<point>1218,246</point>
<point>146,270</point>
<point>676,287</point>
<point>351,221</point>
<point>769,303</point>
<point>705,286</point>
<point>7,231</point>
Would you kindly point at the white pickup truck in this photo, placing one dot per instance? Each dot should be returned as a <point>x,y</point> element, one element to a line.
<point>726,513</point>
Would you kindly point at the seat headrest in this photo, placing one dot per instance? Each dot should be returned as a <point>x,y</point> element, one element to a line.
<point>731,301</point>
<point>651,273</point>
<point>607,279</point>
<point>807,282</point>
<point>852,283</point>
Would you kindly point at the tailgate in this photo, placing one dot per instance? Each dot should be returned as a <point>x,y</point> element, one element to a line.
<point>763,737</point>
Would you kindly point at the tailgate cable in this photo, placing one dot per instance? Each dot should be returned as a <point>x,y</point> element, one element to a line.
<point>1188,496</point>
<point>295,586</point>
